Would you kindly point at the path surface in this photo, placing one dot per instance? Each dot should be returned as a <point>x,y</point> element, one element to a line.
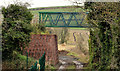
<point>67,61</point>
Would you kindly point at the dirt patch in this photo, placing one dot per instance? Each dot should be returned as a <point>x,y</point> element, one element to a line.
<point>63,52</point>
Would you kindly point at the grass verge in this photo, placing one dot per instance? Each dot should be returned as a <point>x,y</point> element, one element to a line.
<point>71,67</point>
<point>80,28</point>
<point>18,62</point>
<point>82,58</point>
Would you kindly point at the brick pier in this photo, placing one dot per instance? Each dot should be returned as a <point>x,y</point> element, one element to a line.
<point>43,43</point>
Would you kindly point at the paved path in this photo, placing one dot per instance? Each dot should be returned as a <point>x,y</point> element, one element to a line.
<point>67,61</point>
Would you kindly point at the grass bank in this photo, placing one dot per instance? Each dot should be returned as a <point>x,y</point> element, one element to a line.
<point>18,62</point>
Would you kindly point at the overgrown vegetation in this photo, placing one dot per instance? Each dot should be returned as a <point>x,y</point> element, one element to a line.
<point>17,62</point>
<point>72,54</point>
<point>81,43</point>
<point>16,28</point>
<point>104,43</point>
<point>38,28</point>
<point>16,31</point>
<point>64,35</point>
<point>83,59</point>
<point>71,67</point>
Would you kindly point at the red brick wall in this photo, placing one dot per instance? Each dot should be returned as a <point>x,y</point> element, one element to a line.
<point>43,43</point>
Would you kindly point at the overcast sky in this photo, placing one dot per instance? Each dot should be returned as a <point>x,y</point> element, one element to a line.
<point>40,3</point>
<point>46,3</point>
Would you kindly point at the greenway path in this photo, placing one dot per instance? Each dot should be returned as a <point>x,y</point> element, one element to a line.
<point>68,61</point>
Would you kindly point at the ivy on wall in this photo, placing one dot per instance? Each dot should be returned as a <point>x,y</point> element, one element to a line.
<point>104,43</point>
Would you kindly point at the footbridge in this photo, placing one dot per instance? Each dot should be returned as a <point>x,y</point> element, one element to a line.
<point>63,19</point>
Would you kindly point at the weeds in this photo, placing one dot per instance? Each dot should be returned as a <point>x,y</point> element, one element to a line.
<point>81,44</point>
<point>17,62</point>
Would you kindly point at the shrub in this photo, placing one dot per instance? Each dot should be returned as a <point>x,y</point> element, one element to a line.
<point>38,28</point>
<point>16,28</point>
<point>64,35</point>
<point>17,62</point>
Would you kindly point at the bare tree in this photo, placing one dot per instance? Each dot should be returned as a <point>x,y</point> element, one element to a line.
<point>76,2</point>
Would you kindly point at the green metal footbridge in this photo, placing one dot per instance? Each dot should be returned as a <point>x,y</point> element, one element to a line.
<point>63,19</point>
<point>59,19</point>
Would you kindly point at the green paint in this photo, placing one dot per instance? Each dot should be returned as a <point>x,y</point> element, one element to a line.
<point>41,62</point>
<point>63,19</point>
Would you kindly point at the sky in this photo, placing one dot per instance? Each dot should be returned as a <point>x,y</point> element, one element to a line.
<point>46,3</point>
<point>40,3</point>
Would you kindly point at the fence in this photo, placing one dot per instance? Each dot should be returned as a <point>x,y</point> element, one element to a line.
<point>41,63</point>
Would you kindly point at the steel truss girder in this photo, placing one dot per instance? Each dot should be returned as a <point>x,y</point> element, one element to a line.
<point>48,17</point>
